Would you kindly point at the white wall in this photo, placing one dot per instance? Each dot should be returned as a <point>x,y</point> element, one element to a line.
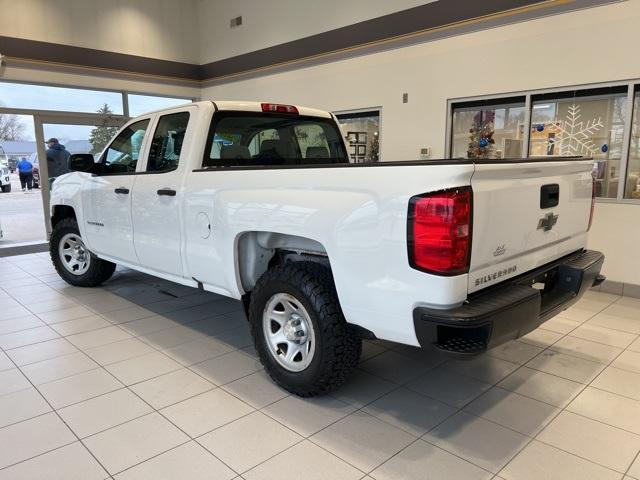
<point>594,45</point>
<point>616,232</point>
<point>161,29</point>
<point>272,22</point>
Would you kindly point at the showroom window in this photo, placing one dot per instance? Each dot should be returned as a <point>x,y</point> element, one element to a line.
<point>488,129</point>
<point>139,104</point>
<point>62,99</point>
<point>362,134</point>
<point>586,123</point>
<point>600,122</point>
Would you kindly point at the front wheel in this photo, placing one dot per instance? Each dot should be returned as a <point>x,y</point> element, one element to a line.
<point>73,262</point>
<point>299,331</point>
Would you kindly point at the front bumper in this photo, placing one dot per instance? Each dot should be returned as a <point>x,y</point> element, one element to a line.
<point>511,309</point>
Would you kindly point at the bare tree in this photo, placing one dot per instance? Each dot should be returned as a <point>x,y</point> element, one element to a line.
<point>11,128</point>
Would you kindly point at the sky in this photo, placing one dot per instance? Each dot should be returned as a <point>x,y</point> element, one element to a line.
<point>40,97</point>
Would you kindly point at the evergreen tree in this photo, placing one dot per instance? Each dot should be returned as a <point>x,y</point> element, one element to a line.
<point>102,134</point>
<point>481,135</point>
<point>374,151</point>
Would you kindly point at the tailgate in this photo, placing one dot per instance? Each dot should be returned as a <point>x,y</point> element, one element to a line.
<point>526,214</point>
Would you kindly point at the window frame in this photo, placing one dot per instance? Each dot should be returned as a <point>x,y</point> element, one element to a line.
<point>529,95</point>
<point>142,152</point>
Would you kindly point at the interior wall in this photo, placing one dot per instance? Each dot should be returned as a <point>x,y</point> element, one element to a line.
<point>265,24</point>
<point>162,29</point>
<point>593,45</point>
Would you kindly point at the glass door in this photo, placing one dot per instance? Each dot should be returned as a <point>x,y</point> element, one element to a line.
<point>59,138</point>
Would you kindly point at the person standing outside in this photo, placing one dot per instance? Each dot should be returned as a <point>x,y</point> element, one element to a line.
<point>25,171</point>
<point>57,159</point>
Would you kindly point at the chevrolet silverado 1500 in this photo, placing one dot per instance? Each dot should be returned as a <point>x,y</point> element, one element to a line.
<point>258,202</point>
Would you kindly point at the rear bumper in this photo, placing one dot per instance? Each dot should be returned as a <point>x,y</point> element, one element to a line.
<point>511,309</point>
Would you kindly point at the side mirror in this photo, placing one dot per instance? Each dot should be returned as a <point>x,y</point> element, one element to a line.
<point>81,162</point>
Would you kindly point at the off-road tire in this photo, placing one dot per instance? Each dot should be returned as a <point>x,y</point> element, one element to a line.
<point>337,348</point>
<point>99,270</point>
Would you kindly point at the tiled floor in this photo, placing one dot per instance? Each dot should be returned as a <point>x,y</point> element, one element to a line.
<point>144,379</point>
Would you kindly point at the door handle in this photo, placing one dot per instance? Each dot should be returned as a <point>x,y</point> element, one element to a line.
<point>122,190</point>
<point>167,192</point>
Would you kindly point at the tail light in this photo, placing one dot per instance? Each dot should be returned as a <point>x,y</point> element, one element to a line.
<point>276,108</point>
<point>439,231</point>
<point>593,202</point>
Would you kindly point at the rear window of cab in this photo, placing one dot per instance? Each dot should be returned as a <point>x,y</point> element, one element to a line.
<point>238,139</point>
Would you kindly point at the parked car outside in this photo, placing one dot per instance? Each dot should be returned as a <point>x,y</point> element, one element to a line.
<point>33,158</point>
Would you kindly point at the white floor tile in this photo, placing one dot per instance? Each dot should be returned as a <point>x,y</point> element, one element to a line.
<point>307,416</point>
<point>538,461</point>
<point>242,452</point>
<point>422,460</point>
<point>448,387</point>
<point>395,367</point>
<point>622,382</point>
<point>134,442</point>
<point>596,352</point>
<point>119,351</point>
<point>41,351</point>
<point>189,461</point>
<point>58,367</point>
<point>608,336</point>
<point>98,337</point>
<point>228,367</point>
<point>628,360</point>
<point>363,440</point>
<point>257,389</point>
<point>514,411</point>
<point>12,381</point>
<point>32,437</point>
<point>566,366</point>
<point>310,463</point>
<point>515,352</point>
<point>171,388</point>
<point>609,408</point>
<point>205,412</point>
<point>21,405</point>
<point>72,462</point>
<point>103,412</point>
<point>410,411</point>
<point>542,386</point>
<point>77,388</point>
<point>592,440</point>
<point>144,367</point>
<point>468,436</point>
<point>27,337</point>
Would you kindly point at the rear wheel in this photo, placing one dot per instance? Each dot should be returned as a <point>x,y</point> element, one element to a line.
<point>73,262</point>
<point>6,188</point>
<point>299,331</point>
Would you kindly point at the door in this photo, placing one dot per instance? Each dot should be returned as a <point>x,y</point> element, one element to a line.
<point>106,197</point>
<point>157,196</point>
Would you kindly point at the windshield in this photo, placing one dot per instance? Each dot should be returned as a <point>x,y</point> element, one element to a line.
<point>254,139</point>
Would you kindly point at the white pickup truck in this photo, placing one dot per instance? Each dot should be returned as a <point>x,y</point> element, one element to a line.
<point>259,202</point>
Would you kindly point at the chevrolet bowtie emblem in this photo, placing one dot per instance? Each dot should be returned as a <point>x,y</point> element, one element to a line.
<point>547,222</point>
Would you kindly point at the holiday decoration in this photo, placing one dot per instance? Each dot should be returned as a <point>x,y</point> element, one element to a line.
<point>573,136</point>
<point>481,135</point>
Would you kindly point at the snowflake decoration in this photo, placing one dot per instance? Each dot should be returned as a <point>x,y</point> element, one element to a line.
<point>573,136</point>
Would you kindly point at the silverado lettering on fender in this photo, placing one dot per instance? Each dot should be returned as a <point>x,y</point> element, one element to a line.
<point>259,202</point>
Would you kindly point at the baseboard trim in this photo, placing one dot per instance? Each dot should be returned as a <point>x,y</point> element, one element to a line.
<point>619,288</point>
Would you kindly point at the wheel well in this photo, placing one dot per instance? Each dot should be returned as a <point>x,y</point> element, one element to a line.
<point>61,212</point>
<point>258,251</point>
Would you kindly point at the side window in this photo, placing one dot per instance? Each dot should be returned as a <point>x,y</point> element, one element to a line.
<point>122,154</point>
<point>166,145</point>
